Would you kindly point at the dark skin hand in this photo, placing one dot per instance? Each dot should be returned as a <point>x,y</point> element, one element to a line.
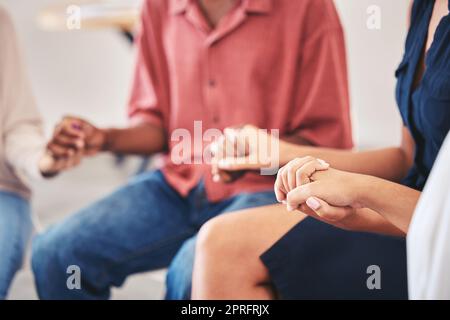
<point>74,136</point>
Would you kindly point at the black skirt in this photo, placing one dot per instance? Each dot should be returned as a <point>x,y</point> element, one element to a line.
<point>317,261</point>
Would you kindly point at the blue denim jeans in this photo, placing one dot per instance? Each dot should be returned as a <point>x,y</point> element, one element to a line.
<point>140,227</point>
<point>15,231</point>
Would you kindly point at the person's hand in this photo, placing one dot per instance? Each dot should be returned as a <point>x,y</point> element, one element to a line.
<point>296,173</point>
<point>50,166</point>
<point>243,149</point>
<point>72,139</point>
<point>312,187</point>
<point>74,134</point>
<point>331,194</point>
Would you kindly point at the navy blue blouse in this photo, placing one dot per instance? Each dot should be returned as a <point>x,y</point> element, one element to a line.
<point>425,110</point>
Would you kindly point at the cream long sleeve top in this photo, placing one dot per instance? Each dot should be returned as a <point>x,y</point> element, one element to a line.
<point>22,143</point>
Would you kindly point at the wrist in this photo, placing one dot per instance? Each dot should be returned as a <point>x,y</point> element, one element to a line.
<point>288,151</point>
<point>108,137</point>
<point>365,186</point>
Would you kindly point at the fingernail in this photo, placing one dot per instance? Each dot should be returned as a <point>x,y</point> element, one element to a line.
<point>290,208</point>
<point>283,202</point>
<point>323,162</point>
<point>216,178</point>
<point>313,203</point>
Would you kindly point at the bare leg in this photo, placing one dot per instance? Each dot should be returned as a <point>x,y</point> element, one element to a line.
<point>227,264</point>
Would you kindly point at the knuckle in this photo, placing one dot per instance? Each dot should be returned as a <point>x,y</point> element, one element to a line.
<point>289,197</point>
<point>303,176</point>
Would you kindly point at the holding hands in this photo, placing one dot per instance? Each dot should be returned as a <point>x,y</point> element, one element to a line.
<point>310,185</point>
<point>73,138</point>
<point>243,149</point>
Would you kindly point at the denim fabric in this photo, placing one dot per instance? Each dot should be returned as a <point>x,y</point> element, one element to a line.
<point>140,227</point>
<point>15,231</point>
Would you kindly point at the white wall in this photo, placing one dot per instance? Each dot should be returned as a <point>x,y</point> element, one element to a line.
<point>373,56</point>
<point>80,72</point>
<point>88,73</point>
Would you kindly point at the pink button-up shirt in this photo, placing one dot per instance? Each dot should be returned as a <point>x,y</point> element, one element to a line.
<point>276,64</point>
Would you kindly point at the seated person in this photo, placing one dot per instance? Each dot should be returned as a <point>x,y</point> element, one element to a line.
<point>215,64</point>
<point>23,155</point>
<point>361,212</point>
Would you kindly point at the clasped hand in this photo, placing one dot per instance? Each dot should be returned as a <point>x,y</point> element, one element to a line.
<point>73,138</point>
<point>313,187</point>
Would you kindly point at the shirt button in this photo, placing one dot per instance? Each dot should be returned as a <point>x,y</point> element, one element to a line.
<point>216,119</point>
<point>212,83</point>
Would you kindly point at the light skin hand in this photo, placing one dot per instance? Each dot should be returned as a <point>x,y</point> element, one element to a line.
<point>239,151</point>
<point>229,146</point>
<point>50,166</point>
<point>335,195</point>
<point>341,217</point>
<point>337,188</point>
<point>300,172</point>
<point>296,173</point>
<point>347,218</point>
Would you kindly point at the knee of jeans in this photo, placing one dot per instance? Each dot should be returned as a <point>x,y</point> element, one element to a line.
<point>49,255</point>
<point>42,255</point>
<point>179,276</point>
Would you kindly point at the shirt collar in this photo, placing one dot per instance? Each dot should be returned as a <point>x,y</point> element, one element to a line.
<point>178,6</point>
<point>253,6</point>
<point>258,6</point>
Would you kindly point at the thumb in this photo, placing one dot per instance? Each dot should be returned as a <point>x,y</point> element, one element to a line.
<point>47,162</point>
<point>326,211</point>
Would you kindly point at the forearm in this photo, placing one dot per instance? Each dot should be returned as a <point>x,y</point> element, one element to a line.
<point>139,140</point>
<point>395,202</point>
<point>367,220</point>
<point>389,163</point>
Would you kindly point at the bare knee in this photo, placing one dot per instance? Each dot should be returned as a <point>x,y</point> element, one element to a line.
<point>214,259</point>
<point>226,263</point>
<point>214,238</point>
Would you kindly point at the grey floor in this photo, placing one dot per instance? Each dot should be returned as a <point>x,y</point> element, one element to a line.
<point>54,200</point>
